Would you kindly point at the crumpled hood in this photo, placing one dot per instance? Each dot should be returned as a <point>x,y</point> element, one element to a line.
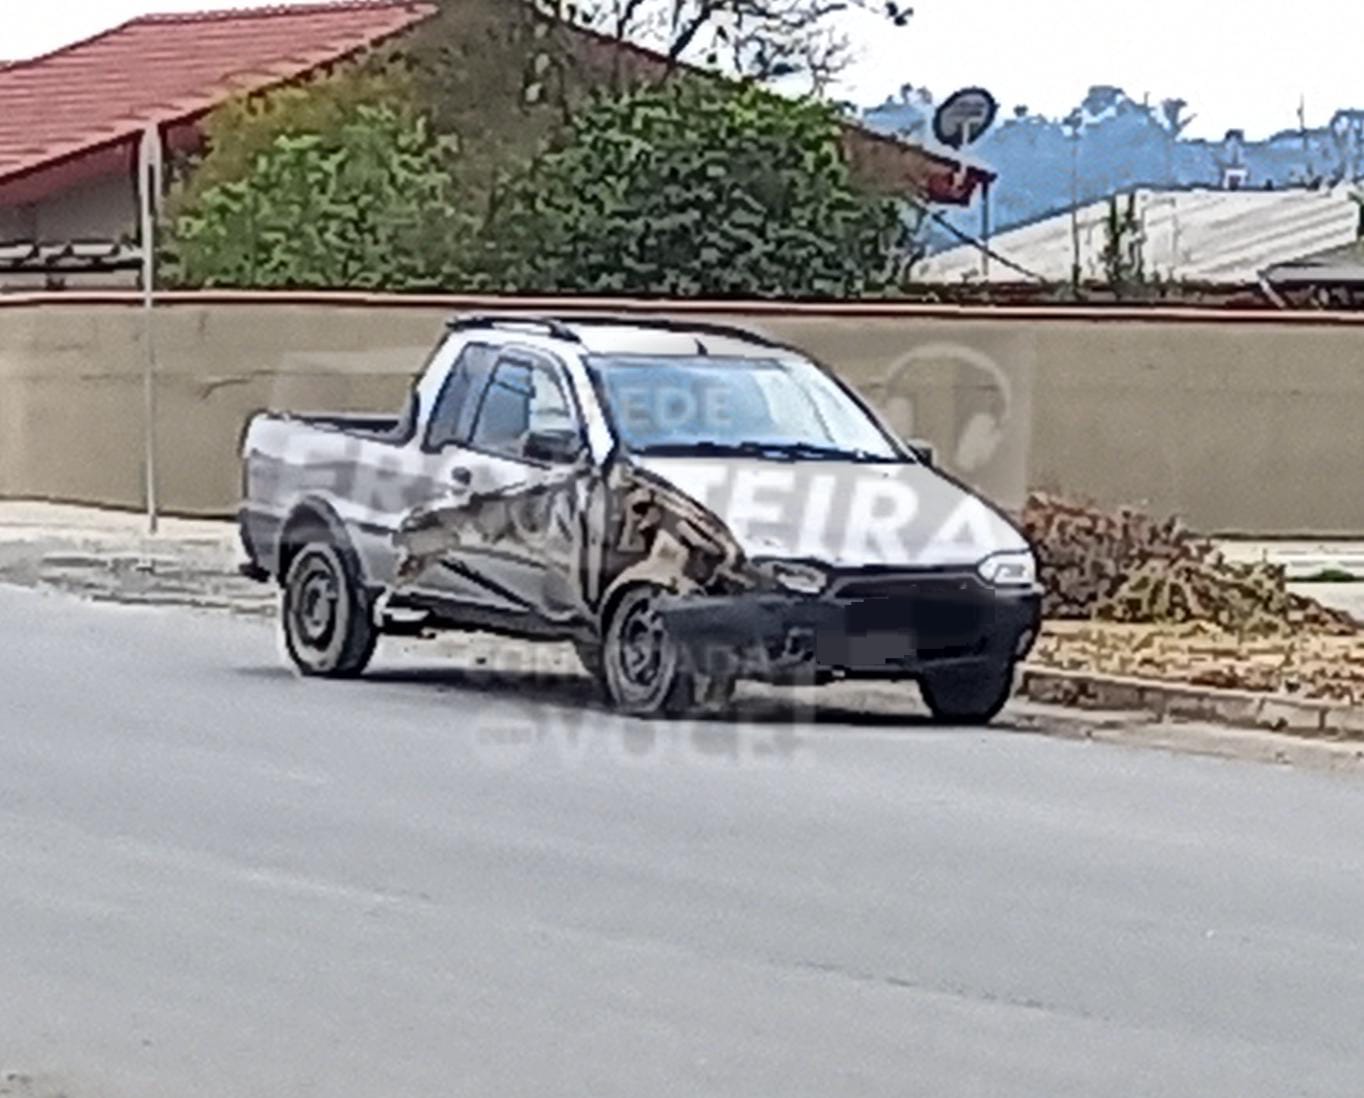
<point>842,514</point>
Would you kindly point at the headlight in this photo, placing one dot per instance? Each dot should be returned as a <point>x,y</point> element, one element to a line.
<point>800,579</point>
<point>1009,569</point>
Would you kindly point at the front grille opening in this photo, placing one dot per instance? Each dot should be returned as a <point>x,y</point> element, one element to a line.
<point>903,587</point>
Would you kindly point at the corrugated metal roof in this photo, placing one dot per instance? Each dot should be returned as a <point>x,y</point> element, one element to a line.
<point>1196,236</point>
<point>167,68</point>
<point>1338,266</point>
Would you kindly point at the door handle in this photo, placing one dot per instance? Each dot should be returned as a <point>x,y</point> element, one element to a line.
<point>461,477</point>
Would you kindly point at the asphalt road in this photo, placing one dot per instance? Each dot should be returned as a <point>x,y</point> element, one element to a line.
<point>216,879</point>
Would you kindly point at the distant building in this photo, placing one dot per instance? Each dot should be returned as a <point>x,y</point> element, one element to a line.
<point>1232,161</point>
<point>71,121</point>
<point>1210,236</point>
<point>1113,143</point>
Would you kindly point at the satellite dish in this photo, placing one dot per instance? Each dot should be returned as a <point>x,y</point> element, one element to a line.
<point>964,117</point>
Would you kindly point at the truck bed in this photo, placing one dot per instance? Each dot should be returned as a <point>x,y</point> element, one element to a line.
<point>360,466</point>
<point>382,428</point>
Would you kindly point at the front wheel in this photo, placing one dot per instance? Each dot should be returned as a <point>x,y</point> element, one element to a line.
<point>967,695</point>
<point>645,670</point>
<point>328,630</point>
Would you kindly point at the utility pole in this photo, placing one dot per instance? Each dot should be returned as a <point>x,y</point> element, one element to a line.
<point>1302,134</point>
<point>149,168</point>
<point>1075,206</point>
<point>985,229</point>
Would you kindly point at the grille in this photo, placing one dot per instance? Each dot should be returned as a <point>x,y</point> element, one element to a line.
<point>945,585</point>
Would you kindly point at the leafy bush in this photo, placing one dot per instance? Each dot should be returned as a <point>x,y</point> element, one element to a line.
<point>320,191</point>
<point>693,188</point>
<point>696,187</point>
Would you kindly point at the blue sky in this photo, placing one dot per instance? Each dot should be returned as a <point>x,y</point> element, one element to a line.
<point>1240,63</point>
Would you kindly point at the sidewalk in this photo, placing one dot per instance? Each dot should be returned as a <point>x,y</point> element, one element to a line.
<point>109,556</point>
<point>1301,560</point>
<point>1305,560</point>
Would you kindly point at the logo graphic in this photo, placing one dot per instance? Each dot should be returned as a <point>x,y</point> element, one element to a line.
<point>981,435</point>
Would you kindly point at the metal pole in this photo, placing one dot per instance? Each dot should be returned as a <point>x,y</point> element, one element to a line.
<point>1075,208</point>
<point>149,193</point>
<point>985,228</point>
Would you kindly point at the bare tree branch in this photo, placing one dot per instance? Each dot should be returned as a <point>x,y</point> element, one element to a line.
<point>686,28</point>
<point>626,11</point>
<point>763,40</point>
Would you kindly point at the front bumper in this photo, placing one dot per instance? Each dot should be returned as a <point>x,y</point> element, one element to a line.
<point>867,629</point>
<point>258,532</point>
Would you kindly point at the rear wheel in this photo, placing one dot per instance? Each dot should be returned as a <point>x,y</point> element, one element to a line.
<point>328,629</point>
<point>967,695</point>
<point>645,670</point>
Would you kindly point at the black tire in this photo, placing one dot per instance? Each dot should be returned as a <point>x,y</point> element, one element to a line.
<point>326,614</point>
<point>967,695</point>
<point>644,670</point>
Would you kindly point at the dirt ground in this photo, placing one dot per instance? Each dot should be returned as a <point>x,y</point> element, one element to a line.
<point>1303,665</point>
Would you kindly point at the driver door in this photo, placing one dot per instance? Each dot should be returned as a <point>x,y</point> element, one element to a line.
<point>513,504</point>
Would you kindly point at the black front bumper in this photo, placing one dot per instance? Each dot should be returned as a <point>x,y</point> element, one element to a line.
<point>867,629</point>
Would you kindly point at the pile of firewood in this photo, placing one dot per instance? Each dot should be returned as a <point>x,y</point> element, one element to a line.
<point>1125,566</point>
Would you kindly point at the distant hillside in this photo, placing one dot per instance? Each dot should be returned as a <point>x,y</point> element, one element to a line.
<point>1120,144</point>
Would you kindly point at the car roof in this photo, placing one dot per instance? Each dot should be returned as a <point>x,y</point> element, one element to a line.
<point>628,340</point>
<point>630,335</point>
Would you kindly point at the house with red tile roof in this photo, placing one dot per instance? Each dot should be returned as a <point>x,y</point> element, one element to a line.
<point>71,121</point>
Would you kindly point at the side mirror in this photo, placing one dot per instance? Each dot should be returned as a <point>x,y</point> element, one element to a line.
<point>922,451</point>
<point>558,447</point>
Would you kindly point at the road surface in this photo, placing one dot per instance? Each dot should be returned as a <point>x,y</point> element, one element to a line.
<point>216,879</point>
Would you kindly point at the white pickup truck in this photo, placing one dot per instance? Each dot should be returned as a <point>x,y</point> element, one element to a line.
<point>688,504</point>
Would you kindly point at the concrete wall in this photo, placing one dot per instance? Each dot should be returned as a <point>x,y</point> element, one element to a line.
<point>1244,425</point>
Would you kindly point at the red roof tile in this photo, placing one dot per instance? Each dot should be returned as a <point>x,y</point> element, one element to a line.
<point>168,68</point>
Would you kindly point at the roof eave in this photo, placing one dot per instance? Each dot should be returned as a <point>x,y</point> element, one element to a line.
<point>420,11</point>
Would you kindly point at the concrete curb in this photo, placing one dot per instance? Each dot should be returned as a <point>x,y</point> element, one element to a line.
<point>1179,701</point>
<point>1300,560</point>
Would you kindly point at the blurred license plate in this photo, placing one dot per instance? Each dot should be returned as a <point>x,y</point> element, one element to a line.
<point>877,616</point>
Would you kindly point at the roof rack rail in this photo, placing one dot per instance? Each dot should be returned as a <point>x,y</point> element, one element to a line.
<point>552,326</point>
<point>686,327</point>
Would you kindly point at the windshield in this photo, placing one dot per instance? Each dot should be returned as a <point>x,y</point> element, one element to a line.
<point>687,405</point>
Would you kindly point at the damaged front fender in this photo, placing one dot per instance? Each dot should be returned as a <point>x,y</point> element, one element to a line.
<point>586,532</point>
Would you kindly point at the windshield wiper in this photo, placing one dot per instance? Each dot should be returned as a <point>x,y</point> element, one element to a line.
<point>704,447</point>
<point>781,451</point>
<point>821,452</point>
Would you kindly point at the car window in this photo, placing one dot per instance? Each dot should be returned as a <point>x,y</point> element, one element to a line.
<point>453,411</point>
<point>521,398</point>
<point>708,402</point>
